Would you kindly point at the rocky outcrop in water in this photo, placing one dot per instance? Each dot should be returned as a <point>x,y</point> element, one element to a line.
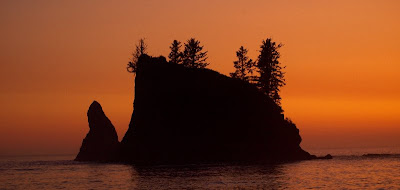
<point>185,115</point>
<point>101,143</point>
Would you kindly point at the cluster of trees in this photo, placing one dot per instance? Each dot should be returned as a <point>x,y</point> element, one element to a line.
<point>192,56</point>
<point>266,72</point>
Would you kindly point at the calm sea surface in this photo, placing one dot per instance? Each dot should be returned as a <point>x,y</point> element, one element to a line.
<point>347,170</point>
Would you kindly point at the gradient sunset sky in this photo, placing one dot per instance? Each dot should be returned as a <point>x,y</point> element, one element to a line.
<point>56,57</point>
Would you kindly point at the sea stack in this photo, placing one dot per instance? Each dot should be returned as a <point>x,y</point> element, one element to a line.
<point>101,143</point>
<point>191,115</point>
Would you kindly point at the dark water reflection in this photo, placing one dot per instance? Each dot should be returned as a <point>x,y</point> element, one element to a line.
<point>209,177</point>
<point>346,172</point>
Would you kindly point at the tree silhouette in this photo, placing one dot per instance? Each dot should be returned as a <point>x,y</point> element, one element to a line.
<point>141,49</point>
<point>176,55</point>
<point>243,65</point>
<point>271,76</point>
<point>193,55</point>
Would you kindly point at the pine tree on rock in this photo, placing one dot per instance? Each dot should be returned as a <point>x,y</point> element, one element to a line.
<point>271,76</point>
<point>141,49</point>
<point>176,55</point>
<point>244,65</point>
<point>193,55</point>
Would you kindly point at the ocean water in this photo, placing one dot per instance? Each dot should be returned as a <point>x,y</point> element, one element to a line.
<point>347,170</point>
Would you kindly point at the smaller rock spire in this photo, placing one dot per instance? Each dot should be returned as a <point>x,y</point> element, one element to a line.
<point>101,143</point>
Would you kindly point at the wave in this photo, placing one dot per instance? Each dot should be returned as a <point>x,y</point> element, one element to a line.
<point>381,155</point>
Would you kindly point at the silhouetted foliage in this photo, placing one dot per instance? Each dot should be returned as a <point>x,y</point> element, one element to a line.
<point>271,76</point>
<point>193,55</point>
<point>244,65</point>
<point>141,49</point>
<point>176,55</point>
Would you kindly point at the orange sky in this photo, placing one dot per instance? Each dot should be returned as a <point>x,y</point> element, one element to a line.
<point>56,57</point>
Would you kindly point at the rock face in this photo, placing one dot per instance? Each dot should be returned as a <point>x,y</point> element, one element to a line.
<point>101,143</point>
<point>184,115</point>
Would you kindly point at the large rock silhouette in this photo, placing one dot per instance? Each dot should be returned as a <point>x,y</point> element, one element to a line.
<point>101,143</point>
<point>185,115</point>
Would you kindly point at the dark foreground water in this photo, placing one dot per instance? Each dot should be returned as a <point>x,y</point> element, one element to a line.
<point>342,172</point>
